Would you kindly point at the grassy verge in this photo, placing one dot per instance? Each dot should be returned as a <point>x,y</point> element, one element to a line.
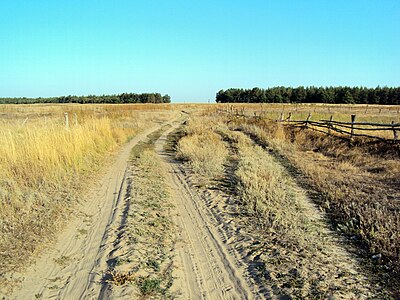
<point>203,148</point>
<point>358,188</point>
<point>300,256</point>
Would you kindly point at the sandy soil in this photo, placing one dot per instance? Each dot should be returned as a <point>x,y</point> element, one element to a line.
<point>205,265</point>
<point>72,268</point>
<point>214,253</point>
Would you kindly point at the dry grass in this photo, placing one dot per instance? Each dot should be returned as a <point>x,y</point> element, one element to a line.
<point>359,188</point>
<point>203,148</point>
<point>41,170</point>
<point>44,168</point>
<point>302,259</point>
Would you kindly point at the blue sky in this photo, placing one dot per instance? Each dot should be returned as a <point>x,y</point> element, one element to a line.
<point>192,49</point>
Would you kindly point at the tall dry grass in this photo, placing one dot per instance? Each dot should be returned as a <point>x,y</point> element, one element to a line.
<point>358,185</point>
<point>301,257</point>
<point>44,167</point>
<point>203,148</point>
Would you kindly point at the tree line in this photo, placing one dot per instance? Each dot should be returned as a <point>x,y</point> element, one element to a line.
<point>121,98</point>
<point>348,95</point>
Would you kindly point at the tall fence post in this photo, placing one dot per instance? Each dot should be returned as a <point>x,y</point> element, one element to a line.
<point>395,133</point>
<point>66,120</point>
<point>308,119</point>
<point>330,125</point>
<point>353,119</point>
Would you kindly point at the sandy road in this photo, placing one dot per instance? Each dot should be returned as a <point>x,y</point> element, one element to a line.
<point>205,267</point>
<point>71,269</point>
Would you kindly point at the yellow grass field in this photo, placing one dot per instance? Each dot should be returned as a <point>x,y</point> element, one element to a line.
<point>44,165</point>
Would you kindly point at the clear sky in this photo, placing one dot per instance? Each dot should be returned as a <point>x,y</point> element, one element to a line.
<point>192,49</point>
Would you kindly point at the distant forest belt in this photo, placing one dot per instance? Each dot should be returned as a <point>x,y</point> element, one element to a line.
<point>121,98</point>
<point>328,95</point>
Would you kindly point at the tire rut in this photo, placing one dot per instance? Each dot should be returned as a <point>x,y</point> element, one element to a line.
<point>208,266</point>
<point>72,268</point>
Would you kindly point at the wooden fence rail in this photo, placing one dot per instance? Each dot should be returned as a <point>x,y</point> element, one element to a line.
<point>345,129</point>
<point>340,127</point>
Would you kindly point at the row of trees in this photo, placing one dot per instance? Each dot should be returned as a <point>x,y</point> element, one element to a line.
<point>121,98</point>
<point>350,95</point>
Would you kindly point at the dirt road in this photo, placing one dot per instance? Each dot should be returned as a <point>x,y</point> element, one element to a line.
<point>71,269</point>
<point>204,268</point>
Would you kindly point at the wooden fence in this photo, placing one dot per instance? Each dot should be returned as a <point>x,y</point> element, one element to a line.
<point>347,130</point>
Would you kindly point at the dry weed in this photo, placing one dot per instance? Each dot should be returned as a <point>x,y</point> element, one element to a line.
<point>301,257</point>
<point>203,148</point>
<point>359,188</point>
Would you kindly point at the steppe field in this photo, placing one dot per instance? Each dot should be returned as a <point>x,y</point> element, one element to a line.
<point>199,201</point>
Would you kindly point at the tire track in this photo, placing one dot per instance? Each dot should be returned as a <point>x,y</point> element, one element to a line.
<point>71,269</point>
<point>207,265</point>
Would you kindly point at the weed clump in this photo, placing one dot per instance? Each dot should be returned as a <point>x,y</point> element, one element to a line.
<point>204,149</point>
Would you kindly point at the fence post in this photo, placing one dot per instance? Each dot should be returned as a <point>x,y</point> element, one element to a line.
<point>66,120</point>
<point>330,125</point>
<point>308,119</point>
<point>281,117</point>
<point>353,119</point>
<point>395,133</point>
